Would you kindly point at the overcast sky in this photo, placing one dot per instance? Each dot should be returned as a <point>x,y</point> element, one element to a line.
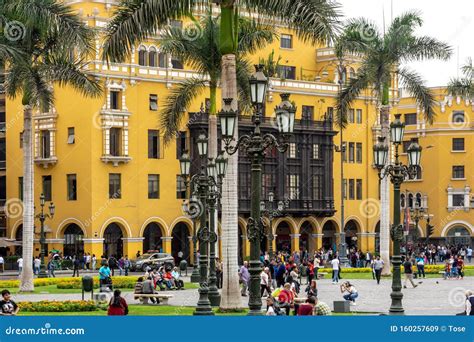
<point>450,21</point>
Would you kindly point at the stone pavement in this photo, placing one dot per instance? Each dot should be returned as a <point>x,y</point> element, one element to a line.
<point>433,296</point>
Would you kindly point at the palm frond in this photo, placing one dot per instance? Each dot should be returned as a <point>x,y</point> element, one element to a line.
<point>415,84</point>
<point>176,104</point>
<point>254,35</point>
<point>421,48</point>
<point>316,21</point>
<point>405,24</point>
<point>243,70</point>
<point>461,87</point>
<point>468,69</point>
<point>134,20</point>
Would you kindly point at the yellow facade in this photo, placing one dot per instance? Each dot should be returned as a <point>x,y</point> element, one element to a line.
<point>93,212</point>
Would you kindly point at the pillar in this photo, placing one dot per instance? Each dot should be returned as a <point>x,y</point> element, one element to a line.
<point>191,250</point>
<point>318,240</point>
<point>371,242</point>
<point>166,243</point>
<point>132,245</point>
<point>94,246</point>
<point>247,246</point>
<point>362,242</point>
<point>295,242</point>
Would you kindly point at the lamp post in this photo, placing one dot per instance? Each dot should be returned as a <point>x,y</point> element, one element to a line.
<point>191,209</point>
<point>42,217</point>
<point>206,188</point>
<point>271,213</point>
<point>397,173</point>
<point>417,214</point>
<point>255,146</point>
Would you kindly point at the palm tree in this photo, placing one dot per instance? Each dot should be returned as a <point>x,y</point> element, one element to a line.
<point>383,59</point>
<point>463,86</point>
<point>51,32</point>
<point>134,21</point>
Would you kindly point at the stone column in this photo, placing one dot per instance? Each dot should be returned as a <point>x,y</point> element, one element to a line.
<point>295,242</point>
<point>132,245</point>
<point>166,243</point>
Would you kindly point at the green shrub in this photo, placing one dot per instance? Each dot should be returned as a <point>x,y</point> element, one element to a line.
<point>55,306</point>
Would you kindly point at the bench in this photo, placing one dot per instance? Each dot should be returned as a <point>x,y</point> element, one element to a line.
<point>143,298</point>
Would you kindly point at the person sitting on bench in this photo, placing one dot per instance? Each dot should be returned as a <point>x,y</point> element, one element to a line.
<point>148,288</point>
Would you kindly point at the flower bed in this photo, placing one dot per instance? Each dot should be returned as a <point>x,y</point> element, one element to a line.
<point>72,283</point>
<point>55,306</point>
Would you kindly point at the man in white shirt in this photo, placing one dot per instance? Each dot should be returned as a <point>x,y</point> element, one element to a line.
<point>469,254</point>
<point>2,264</point>
<point>335,270</point>
<point>37,265</point>
<point>20,265</point>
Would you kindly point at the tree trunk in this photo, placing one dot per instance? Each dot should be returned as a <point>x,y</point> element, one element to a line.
<point>385,196</point>
<point>230,289</point>
<point>26,277</point>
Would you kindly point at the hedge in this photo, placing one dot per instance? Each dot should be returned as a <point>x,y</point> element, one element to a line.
<point>118,282</point>
<point>55,306</point>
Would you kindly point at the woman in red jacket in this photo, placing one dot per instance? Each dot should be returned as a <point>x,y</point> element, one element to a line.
<point>117,306</point>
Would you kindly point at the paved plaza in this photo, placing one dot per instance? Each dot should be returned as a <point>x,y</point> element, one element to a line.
<point>434,296</point>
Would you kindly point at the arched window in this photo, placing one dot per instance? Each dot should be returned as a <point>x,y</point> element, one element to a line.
<point>419,200</point>
<point>402,201</point>
<point>410,201</point>
<point>162,60</point>
<point>352,73</point>
<point>152,57</point>
<point>419,173</point>
<point>142,56</point>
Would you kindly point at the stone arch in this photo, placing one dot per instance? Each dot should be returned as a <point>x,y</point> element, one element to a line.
<point>142,55</point>
<point>17,234</point>
<point>285,228</point>
<point>65,223</point>
<point>152,56</point>
<point>180,232</point>
<point>113,235</point>
<point>308,228</point>
<point>334,220</point>
<point>15,228</point>
<point>152,236</point>
<point>159,221</point>
<point>289,220</point>
<point>121,222</point>
<point>352,228</point>
<point>329,234</point>
<point>73,235</point>
<point>453,224</point>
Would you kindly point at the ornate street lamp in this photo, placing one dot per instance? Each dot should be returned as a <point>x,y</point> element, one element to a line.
<point>205,188</point>
<point>255,146</point>
<point>42,217</point>
<point>397,173</point>
<point>271,213</point>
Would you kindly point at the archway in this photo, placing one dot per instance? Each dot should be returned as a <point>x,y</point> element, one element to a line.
<point>377,238</point>
<point>73,241</point>
<point>329,236</point>
<point>113,243</point>
<point>180,242</point>
<point>351,234</point>
<point>152,238</point>
<point>283,238</point>
<point>19,238</point>
<point>306,237</point>
<point>458,235</point>
<point>241,244</point>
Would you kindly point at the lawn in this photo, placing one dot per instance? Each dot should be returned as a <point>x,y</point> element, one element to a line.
<point>348,275</point>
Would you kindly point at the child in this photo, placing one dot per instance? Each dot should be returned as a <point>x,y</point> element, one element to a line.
<point>8,306</point>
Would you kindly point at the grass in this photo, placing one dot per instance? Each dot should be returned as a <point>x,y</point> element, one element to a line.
<point>467,273</point>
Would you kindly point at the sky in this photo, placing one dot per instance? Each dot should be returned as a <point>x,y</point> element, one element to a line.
<point>450,21</point>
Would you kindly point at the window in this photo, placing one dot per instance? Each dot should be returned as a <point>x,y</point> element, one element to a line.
<point>47,191</point>
<point>350,116</point>
<point>344,188</point>
<point>316,151</point>
<point>153,144</point>
<point>153,186</point>
<point>419,173</point>
<point>458,144</point>
<point>20,188</point>
<point>351,189</point>
<point>267,185</point>
<point>330,113</point>
<point>307,113</point>
<point>162,60</point>
<point>142,56</point>
<point>458,172</point>
<point>458,200</point>
<point>71,137</point>
<point>45,144</point>
<point>177,64</point>
<point>115,100</point>
<point>359,116</point>
<point>244,184</point>
<point>458,117</point>
<point>3,153</point>
<point>359,153</point>
<point>115,190</point>
<point>317,187</point>
<point>152,57</point>
<point>410,119</point>
<point>180,144</point>
<point>153,102</point>
<point>292,150</point>
<point>293,185</point>
<point>406,145</point>
<point>115,138</point>
<point>344,151</point>
<point>180,187</point>
<point>286,41</point>
<point>402,201</point>
<point>71,188</point>
<point>351,152</point>
<point>287,72</point>
<point>359,189</point>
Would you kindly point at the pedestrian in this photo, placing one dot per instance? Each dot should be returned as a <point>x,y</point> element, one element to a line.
<point>180,256</point>
<point>420,265</point>
<point>126,265</point>
<point>37,265</point>
<point>279,273</point>
<point>105,281</point>
<point>378,267</point>
<point>368,259</point>
<point>2,264</point>
<point>112,264</point>
<point>117,305</point>
<point>408,269</point>
<point>335,270</point>
<point>88,261</point>
<point>7,305</point>
<point>20,265</point>
<point>469,254</point>
<point>120,265</point>
<point>76,263</point>
<point>265,282</point>
<point>51,269</point>
<point>138,254</point>
<point>244,277</point>
<point>349,292</point>
<point>460,266</point>
<point>94,262</point>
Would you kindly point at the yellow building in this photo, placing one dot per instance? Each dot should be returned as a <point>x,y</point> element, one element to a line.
<point>116,187</point>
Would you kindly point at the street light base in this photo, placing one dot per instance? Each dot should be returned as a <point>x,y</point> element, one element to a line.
<point>255,313</point>
<point>214,297</point>
<point>195,276</point>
